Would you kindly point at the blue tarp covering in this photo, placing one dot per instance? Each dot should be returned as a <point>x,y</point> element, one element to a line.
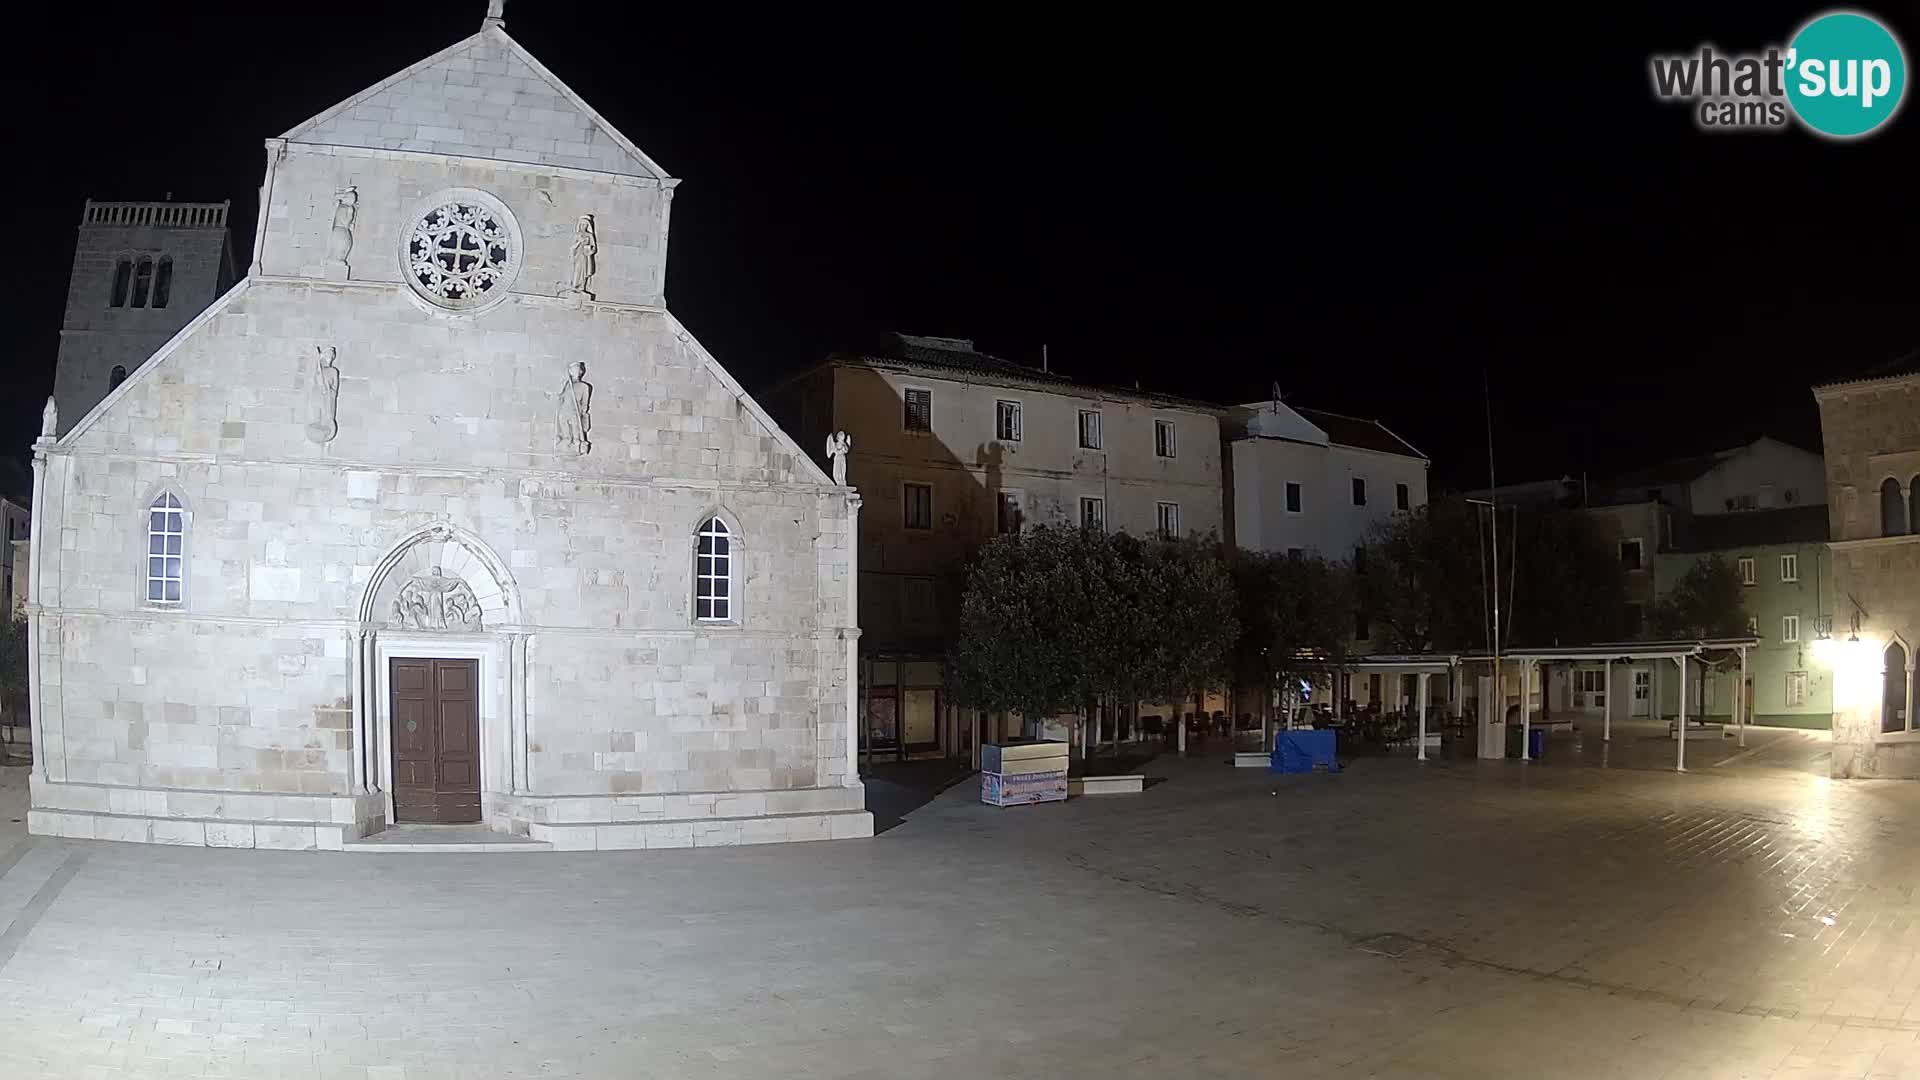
<point>1300,751</point>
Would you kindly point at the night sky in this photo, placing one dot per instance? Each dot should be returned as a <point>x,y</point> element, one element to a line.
<point>1371,210</point>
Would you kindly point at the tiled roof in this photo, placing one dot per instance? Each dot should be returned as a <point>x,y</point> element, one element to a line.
<point>1755,528</point>
<point>1678,471</point>
<point>958,355</point>
<point>1356,432</point>
<point>1899,365</point>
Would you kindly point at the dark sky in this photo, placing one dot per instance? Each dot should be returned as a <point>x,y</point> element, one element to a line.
<point>1369,209</point>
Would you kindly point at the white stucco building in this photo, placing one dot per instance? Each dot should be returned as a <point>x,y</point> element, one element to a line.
<point>1315,482</point>
<point>439,515</point>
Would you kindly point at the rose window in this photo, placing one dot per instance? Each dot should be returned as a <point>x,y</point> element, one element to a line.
<point>460,254</point>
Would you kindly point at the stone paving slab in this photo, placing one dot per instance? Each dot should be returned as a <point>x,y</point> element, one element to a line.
<point>1458,919</point>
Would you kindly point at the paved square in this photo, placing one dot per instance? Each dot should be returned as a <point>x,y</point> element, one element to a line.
<point>1459,919</point>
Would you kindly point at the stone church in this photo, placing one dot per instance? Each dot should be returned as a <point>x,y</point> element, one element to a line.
<point>439,516</point>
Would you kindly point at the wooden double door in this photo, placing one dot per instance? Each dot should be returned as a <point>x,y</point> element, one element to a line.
<point>436,739</point>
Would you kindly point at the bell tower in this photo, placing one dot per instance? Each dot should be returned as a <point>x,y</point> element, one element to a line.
<point>141,271</point>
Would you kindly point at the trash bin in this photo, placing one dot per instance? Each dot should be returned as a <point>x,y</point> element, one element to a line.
<point>1537,743</point>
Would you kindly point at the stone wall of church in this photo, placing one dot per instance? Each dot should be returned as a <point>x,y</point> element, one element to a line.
<point>393,190</point>
<point>246,686</point>
<point>1871,433</point>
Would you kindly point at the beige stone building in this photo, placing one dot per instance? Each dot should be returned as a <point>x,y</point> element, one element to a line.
<point>1871,426</point>
<point>440,516</point>
<point>952,446</point>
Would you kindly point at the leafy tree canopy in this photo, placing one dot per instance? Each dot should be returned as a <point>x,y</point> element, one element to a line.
<point>1055,618</point>
<point>1707,601</point>
<point>1291,609</point>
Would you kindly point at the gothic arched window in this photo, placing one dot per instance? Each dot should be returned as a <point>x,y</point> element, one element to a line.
<point>713,565</point>
<point>122,279</point>
<point>1893,508</point>
<point>163,282</point>
<point>166,549</point>
<point>142,280</point>
<point>1893,690</point>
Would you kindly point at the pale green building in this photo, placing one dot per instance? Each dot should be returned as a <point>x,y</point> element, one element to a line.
<point>1781,556</point>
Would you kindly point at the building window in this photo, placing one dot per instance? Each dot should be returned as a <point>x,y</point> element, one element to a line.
<point>1401,501</point>
<point>1796,689</point>
<point>1789,568</point>
<point>1012,512</point>
<point>1163,438</point>
<point>917,603</point>
<point>1089,429</point>
<point>1359,491</point>
<point>117,376</point>
<point>1167,516</point>
<point>1591,681</point>
<point>1006,421</point>
<point>1893,509</point>
<point>1093,513</point>
<point>1745,566</point>
<point>142,280</point>
<point>1293,497</point>
<point>1893,688</point>
<point>713,572</point>
<point>1789,628</point>
<point>1631,555</point>
<point>122,281</point>
<point>918,503</point>
<point>919,411</point>
<point>163,282</point>
<point>166,554</point>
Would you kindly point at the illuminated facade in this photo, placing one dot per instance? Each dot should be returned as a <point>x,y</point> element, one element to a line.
<point>1871,426</point>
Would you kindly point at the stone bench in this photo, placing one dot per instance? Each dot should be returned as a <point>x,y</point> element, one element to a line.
<point>1253,759</point>
<point>1106,785</point>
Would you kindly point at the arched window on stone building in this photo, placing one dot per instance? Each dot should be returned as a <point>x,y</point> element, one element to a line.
<point>713,567</point>
<point>115,377</point>
<point>1893,692</point>
<point>142,280</point>
<point>166,549</point>
<point>122,279</point>
<point>163,282</point>
<point>1893,508</point>
<point>1913,506</point>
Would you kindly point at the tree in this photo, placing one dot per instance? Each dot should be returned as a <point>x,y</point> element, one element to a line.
<point>13,668</point>
<point>1054,619</point>
<point>1295,613</point>
<point>1708,601</point>
<point>1428,578</point>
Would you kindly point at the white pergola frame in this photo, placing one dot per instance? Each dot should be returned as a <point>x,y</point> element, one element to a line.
<point>1604,653</point>
<point>1425,666</point>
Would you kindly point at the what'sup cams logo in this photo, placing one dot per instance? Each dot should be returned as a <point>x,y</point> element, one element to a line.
<point>1843,76</point>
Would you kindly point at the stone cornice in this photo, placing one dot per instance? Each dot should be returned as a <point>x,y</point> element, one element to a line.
<point>1874,542</point>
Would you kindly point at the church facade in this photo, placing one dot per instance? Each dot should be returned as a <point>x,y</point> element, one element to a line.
<point>440,516</point>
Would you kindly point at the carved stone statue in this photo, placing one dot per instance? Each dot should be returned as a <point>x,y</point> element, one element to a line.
<point>340,242</point>
<point>433,601</point>
<point>324,397</point>
<point>586,246</point>
<point>575,417</point>
<point>839,445</point>
<point>50,420</point>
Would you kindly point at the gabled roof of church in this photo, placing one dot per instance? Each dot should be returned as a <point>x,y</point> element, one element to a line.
<point>484,97</point>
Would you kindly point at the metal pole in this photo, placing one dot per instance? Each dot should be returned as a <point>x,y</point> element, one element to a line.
<point>1423,717</point>
<point>1680,763</point>
<point>1740,697</point>
<point>1526,710</point>
<point>1606,701</point>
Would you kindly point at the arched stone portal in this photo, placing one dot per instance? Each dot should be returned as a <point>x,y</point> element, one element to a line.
<point>441,594</point>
